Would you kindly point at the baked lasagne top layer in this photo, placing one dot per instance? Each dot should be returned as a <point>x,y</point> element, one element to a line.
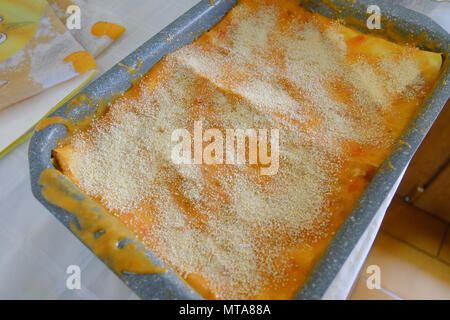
<point>340,99</point>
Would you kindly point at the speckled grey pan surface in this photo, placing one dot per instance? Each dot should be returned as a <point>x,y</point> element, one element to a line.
<point>193,23</point>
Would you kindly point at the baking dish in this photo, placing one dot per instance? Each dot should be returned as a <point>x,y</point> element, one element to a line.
<point>199,19</point>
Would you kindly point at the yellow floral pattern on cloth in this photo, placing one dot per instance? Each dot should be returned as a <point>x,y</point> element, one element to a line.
<point>82,61</point>
<point>112,30</point>
<point>22,22</point>
<point>37,51</point>
<point>42,62</point>
<point>95,34</point>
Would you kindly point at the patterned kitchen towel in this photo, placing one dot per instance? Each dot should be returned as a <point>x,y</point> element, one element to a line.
<point>34,59</point>
<point>96,30</point>
<point>37,51</point>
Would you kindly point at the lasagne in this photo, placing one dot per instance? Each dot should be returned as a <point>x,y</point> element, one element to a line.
<point>340,99</point>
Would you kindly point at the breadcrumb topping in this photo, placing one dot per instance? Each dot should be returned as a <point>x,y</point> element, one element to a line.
<point>227,223</point>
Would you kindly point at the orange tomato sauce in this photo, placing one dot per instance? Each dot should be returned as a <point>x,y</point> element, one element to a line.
<point>359,162</point>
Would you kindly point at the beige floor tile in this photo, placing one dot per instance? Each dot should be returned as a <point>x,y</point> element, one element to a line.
<point>408,272</point>
<point>445,250</point>
<point>361,292</point>
<point>414,226</point>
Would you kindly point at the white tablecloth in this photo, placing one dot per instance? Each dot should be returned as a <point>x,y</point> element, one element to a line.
<point>36,249</point>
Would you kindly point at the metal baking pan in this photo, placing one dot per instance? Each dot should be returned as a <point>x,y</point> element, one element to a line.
<point>185,29</point>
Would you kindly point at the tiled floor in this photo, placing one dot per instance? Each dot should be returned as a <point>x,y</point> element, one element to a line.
<point>412,251</point>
